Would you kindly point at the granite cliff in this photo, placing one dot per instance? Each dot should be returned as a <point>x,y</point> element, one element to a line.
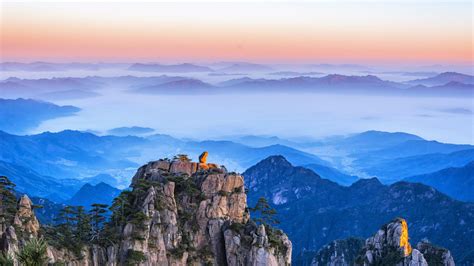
<point>177,212</point>
<point>388,246</point>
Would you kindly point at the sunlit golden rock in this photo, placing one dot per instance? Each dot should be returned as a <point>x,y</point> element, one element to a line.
<point>404,243</point>
<point>203,161</point>
<point>203,157</point>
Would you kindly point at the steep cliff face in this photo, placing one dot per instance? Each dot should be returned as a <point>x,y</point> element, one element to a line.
<point>176,213</point>
<point>194,215</point>
<point>389,246</point>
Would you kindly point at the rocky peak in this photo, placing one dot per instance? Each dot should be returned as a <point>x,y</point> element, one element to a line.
<point>193,213</point>
<point>25,226</point>
<point>276,160</point>
<point>369,183</point>
<point>435,255</point>
<point>391,246</point>
<point>25,219</point>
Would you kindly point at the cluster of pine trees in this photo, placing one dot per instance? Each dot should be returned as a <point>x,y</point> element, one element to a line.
<point>75,227</point>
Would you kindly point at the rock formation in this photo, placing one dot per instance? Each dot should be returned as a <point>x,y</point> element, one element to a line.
<point>338,253</point>
<point>389,246</point>
<point>192,213</point>
<point>435,255</point>
<point>177,213</point>
<point>25,226</point>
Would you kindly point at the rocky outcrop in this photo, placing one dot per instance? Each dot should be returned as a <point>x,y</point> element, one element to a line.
<point>177,213</point>
<point>338,253</point>
<point>390,246</point>
<point>25,219</point>
<point>435,255</point>
<point>190,214</point>
<point>25,226</point>
<point>252,245</point>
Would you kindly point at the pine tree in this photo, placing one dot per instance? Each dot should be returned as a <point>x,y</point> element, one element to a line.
<point>66,216</point>
<point>182,158</point>
<point>97,216</point>
<point>120,208</point>
<point>7,200</point>
<point>264,213</point>
<point>83,225</point>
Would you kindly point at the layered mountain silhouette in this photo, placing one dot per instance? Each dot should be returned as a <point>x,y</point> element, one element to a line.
<point>332,174</point>
<point>329,83</point>
<point>20,115</point>
<point>444,78</point>
<point>403,167</point>
<point>181,68</point>
<point>31,182</point>
<point>243,67</point>
<point>457,182</point>
<point>183,86</point>
<point>130,131</point>
<point>90,194</point>
<point>68,154</point>
<point>315,211</point>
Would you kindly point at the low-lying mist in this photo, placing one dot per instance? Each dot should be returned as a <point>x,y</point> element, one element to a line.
<point>285,115</point>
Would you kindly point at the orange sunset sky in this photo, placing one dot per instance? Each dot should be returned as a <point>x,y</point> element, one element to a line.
<point>406,31</point>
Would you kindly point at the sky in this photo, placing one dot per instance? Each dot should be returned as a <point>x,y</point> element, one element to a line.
<point>323,31</point>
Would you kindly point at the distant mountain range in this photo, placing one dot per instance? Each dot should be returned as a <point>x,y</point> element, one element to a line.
<point>388,156</point>
<point>329,83</point>
<point>314,211</point>
<point>444,78</point>
<point>332,174</point>
<point>181,68</point>
<point>89,194</point>
<point>18,116</point>
<point>183,86</point>
<point>457,182</point>
<point>34,184</point>
<point>244,156</point>
<point>400,168</point>
<point>54,160</point>
<point>68,154</point>
<point>295,74</point>
<point>130,131</point>
<point>242,67</point>
<point>447,85</point>
<point>15,87</point>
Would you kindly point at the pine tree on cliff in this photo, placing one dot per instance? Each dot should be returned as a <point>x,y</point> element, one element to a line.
<point>97,220</point>
<point>83,224</point>
<point>120,209</point>
<point>7,200</point>
<point>264,213</point>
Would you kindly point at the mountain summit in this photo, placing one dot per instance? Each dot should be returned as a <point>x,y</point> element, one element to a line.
<point>177,212</point>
